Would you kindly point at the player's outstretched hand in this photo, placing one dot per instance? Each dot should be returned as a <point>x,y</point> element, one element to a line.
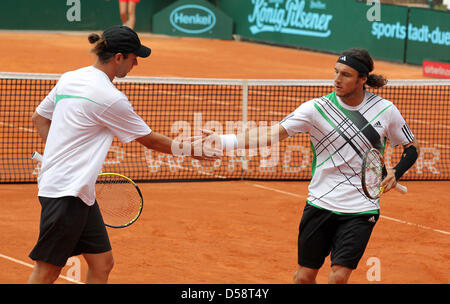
<point>207,146</point>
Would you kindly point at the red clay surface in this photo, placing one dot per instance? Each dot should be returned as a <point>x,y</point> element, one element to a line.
<point>224,232</point>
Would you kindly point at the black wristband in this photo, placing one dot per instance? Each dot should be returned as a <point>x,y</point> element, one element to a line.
<point>409,157</point>
<point>383,173</point>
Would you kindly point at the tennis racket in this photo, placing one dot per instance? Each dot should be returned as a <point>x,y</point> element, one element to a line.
<point>119,198</point>
<point>372,174</point>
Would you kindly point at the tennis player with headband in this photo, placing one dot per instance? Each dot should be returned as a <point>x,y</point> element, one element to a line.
<point>338,217</point>
<point>78,121</point>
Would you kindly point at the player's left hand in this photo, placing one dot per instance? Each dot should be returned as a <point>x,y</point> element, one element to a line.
<point>389,181</point>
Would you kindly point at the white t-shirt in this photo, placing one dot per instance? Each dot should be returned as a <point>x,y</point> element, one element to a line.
<point>86,111</point>
<point>340,135</point>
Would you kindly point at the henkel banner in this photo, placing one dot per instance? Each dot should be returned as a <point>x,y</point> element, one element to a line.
<point>436,69</point>
<point>193,18</point>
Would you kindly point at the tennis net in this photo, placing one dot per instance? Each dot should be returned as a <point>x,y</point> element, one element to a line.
<point>182,107</point>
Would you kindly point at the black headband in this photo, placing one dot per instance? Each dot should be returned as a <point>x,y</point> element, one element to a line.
<point>354,63</point>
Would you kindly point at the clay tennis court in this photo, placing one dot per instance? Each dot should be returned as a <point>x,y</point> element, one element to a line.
<point>224,232</point>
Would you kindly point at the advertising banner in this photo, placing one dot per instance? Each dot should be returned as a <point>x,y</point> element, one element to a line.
<point>428,36</point>
<point>193,18</point>
<point>327,25</point>
<point>73,15</point>
<point>436,69</point>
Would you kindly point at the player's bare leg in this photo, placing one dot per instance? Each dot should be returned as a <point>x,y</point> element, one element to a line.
<point>305,275</point>
<point>100,266</point>
<point>339,274</point>
<point>44,273</point>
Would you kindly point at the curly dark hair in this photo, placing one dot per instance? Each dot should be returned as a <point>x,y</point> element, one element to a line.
<point>362,55</point>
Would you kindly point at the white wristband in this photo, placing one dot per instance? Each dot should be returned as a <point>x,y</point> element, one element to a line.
<point>229,142</point>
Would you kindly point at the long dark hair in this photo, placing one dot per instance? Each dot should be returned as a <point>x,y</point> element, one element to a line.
<point>101,48</point>
<point>362,55</point>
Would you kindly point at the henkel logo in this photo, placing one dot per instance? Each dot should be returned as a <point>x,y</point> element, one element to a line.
<point>192,19</point>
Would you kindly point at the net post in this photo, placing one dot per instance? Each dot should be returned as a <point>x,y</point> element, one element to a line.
<point>244,120</point>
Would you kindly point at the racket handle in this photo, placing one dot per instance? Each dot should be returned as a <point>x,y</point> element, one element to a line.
<point>36,156</point>
<point>401,188</point>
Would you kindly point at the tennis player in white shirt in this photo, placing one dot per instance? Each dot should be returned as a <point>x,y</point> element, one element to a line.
<point>338,217</point>
<point>78,121</point>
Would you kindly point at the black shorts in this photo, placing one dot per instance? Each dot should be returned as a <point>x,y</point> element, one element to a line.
<point>322,232</point>
<point>69,227</point>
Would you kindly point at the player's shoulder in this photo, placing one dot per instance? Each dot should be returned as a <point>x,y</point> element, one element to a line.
<point>322,100</point>
<point>81,76</point>
<point>71,80</point>
<point>330,97</point>
<point>378,105</point>
<point>310,106</point>
<point>307,105</point>
<point>91,83</point>
<point>372,99</point>
<point>102,85</point>
<point>77,73</point>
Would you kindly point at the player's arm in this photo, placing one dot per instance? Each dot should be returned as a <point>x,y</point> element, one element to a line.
<point>253,138</point>
<point>43,114</point>
<point>165,144</point>
<point>299,121</point>
<point>124,123</point>
<point>157,142</point>
<point>410,154</point>
<point>41,124</point>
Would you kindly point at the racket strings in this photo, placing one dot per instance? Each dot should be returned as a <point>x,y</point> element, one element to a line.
<point>374,173</point>
<point>118,200</point>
